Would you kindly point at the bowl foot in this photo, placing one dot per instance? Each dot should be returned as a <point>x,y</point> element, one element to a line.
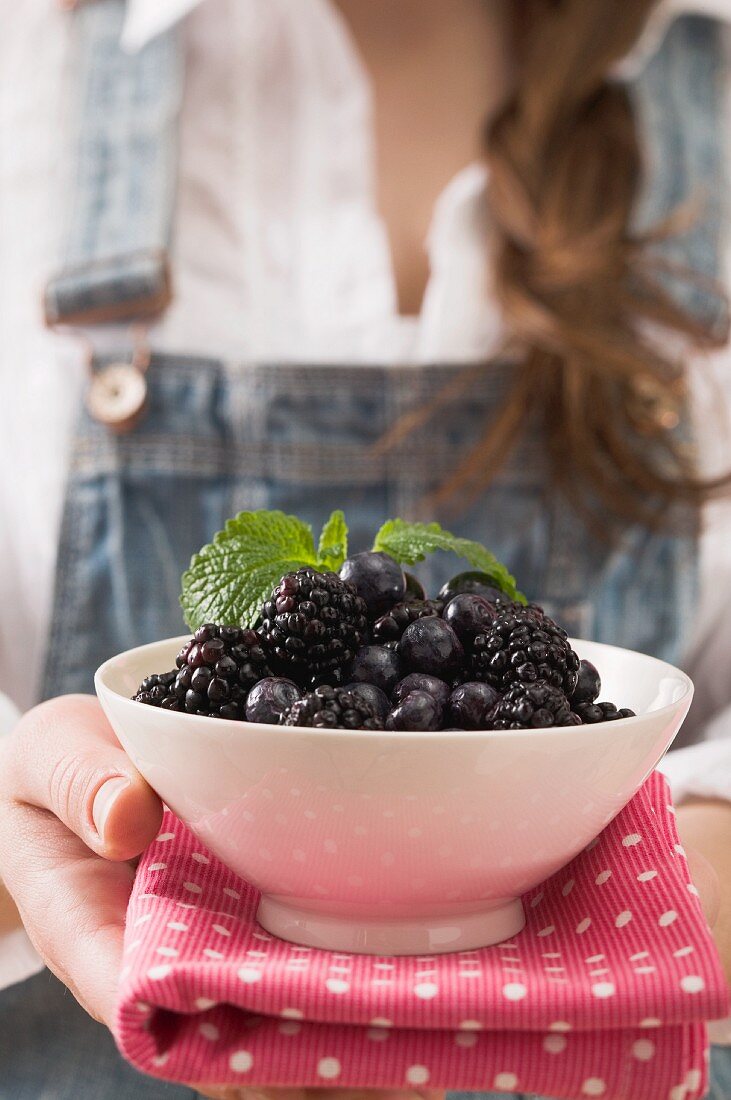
<point>428,936</point>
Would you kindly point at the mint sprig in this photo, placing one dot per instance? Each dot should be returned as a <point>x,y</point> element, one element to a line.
<point>409,543</point>
<point>333,547</point>
<point>229,579</point>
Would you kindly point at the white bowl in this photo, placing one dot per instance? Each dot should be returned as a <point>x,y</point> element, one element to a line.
<point>396,843</point>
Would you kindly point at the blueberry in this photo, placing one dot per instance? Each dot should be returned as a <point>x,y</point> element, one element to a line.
<point>378,579</point>
<point>269,698</point>
<point>430,645</point>
<point>414,588</point>
<point>419,681</point>
<point>588,686</point>
<point>470,705</point>
<point>469,615</point>
<point>372,695</point>
<point>417,711</point>
<point>375,664</point>
<point>474,582</point>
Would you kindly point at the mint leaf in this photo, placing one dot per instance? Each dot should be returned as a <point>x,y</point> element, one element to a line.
<point>229,579</point>
<point>333,548</point>
<point>409,543</point>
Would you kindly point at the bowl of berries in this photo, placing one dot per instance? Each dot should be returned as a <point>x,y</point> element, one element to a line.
<point>391,770</point>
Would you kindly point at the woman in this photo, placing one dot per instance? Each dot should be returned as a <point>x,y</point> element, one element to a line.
<point>235,150</point>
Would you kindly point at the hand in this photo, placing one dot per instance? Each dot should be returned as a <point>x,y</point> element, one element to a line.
<point>73,812</point>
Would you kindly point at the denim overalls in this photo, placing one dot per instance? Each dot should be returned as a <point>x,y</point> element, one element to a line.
<point>218,437</point>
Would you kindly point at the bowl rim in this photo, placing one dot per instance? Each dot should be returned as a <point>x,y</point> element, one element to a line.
<point>228,724</point>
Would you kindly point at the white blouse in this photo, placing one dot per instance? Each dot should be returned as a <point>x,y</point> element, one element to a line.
<point>280,253</point>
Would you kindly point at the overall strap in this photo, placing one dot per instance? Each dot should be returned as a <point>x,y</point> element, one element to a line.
<point>122,184</point>
<point>679,100</point>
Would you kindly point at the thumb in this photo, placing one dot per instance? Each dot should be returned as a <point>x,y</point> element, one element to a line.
<point>68,761</point>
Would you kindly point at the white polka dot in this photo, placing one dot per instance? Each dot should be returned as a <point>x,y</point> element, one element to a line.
<point>328,1068</point>
<point>200,858</point>
<point>289,1027</point>
<point>330,846</point>
<point>160,1059</point>
<point>692,983</point>
<point>221,930</point>
<point>595,959</point>
<point>559,1025</point>
<point>643,1050</point>
<point>157,973</point>
<point>592,844</point>
<point>417,1075</point>
<point>536,900</point>
<point>381,1021</point>
<point>249,974</point>
<point>414,833</point>
<point>337,985</point>
<point>360,830</point>
<point>680,849</point>
<point>602,877</point>
<point>211,954</point>
<point>554,1044</point>
<point>231,893</point>
<point>505,1080</point>
<point>210,1032</point>
<point>568,887</point>
<point>647,876</point>
<point>682,952</point>
<point>247,815</point>
<point>514,991</point>
<point>426,990</point>
<point>157,867</point>
<point>602,990</point>
<point>645,970</point>
<point>470,1025</point>
<point>165,836</point>
<point>693,890</point>
<point>241,1061</point>
<point>594,1086</point>
<point>388,859</point>
<point>204,1003</point>
<point>622,919</point>
<point>377,1034</point>
<point>466,1039</point>
<point>668,918</point>
<point>547,931</point>
<point>294,791</point>
<point>693,1079</point>
<point>143,919</point>
<point>291,1014</point>
<point>192,888</point>
<point>310,815</point>
<point>650,1021</point>
<point>631,839</point>
<point>168,952</point>
<point>177,926</point>
<point>583,925</point>
<point>678,1092</point>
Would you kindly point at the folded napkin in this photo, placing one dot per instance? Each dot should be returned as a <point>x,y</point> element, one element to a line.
<point>603,994</point>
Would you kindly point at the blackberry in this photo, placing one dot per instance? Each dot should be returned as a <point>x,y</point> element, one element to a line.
<point>155,688</point>
<point>532,706</point>
<point>313,624</point>
<point>215,670</point>
<point>391,626</point>
<point>523,646</point>
<point>333,708</point>
<point>590,713</point>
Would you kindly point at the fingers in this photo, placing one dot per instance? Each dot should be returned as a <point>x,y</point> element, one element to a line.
<point>64,757</point>
<point>72,902</point>
<point>69,795</point>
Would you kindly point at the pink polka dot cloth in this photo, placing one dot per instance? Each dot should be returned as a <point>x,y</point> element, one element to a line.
<point>603,994</point>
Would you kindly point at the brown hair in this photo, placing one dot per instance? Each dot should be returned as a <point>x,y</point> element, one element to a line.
<point>578,290</point>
